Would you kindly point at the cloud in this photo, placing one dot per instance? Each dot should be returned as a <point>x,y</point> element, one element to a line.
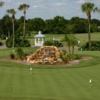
<point>48,8</point>
<point>35,6</point>
<point>59,4</point>
<point>81,1</point>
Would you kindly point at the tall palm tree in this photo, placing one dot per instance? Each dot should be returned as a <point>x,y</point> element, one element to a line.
<point>1,3</point>
<point>88,8</point>
<point>24,8</point>
<point>12,12</point>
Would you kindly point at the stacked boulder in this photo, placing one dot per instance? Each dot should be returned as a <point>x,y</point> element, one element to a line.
<point>45,55</point>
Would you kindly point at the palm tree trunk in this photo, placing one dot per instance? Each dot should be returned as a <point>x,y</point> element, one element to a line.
<point>89,31</point>
<point>24,27</point>
<point>69,48</point>
<point>73,48</point>
<point>13,44</point>
<point>89,35</point>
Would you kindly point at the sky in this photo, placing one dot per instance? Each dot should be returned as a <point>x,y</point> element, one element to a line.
<point>49,8</point>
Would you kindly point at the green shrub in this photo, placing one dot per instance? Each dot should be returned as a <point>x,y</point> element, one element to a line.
<point>53,43</point>
<point>57,43</point>
<point>65,58</point>
<point>95,45</point>
<point>12,56</point>
<point>1,44</point>
<point>18,43</point>
<point>77,56</point>
<point>20,53</point>
<point>48,43</point>
<point>9,42</point>
<point>68,57</point>
<point>74,56</point>
<point>22,43</point>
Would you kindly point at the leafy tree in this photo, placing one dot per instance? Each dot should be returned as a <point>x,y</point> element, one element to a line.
<point>59,24</point>
<point>19,29</point>
<point>49,26</point>
<point>56,25</point>
<point>24,7</point>
<point>5,27</point>
<point>12,12</point>
<point>38,24</point>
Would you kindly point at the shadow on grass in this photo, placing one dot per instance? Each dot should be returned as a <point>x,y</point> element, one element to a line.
<point>82,64</point>
<point>26,98</point>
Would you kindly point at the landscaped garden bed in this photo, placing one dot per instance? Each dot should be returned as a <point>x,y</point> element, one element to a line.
<point>46,55</point>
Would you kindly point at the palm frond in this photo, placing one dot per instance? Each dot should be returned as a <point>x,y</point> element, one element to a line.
<point>23,7</point>
<point>11,11</point>
<point>1,3</point>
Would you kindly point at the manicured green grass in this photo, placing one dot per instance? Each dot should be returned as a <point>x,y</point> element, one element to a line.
<point>84,37</point>
<point>17,82</point>
<point>48,82</point>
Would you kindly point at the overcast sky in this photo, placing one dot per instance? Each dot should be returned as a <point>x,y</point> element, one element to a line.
<point>49,8</point>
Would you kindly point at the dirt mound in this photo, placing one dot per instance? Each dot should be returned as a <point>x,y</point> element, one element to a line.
<point>45,55</point>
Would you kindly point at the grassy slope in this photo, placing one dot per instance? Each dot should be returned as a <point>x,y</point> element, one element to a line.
<point>42,84</point>
<point>18,83</point>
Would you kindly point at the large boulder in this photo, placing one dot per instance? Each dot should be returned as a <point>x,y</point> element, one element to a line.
<point>45,55</point>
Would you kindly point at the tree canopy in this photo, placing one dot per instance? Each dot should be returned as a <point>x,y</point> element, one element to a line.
<point>56,25</point>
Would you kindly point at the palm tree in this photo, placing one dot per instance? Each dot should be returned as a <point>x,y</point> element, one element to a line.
<point>88,8</point>
<point>67,41</point>
<point>1,3</point>
<point>24,8</point>
<point>71,42</point>
<point>12,12</point>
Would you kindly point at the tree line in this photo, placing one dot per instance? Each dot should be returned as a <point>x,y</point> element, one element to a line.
<point>57,25</point>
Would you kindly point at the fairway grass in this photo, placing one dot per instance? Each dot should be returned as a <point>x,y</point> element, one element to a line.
<point>83,38</point>
<point>48,82</point>
<point>17,82</point>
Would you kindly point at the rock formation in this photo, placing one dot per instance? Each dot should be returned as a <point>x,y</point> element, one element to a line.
<point>45,55</point>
